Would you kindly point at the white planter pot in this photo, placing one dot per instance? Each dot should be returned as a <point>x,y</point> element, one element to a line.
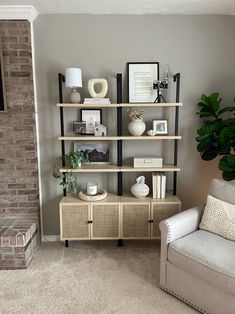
<point>136,127</point>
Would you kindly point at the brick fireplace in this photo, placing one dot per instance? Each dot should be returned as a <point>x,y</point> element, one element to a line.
<point>19,192</point>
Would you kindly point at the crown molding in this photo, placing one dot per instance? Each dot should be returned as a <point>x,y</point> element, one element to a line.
<point>18,12</point>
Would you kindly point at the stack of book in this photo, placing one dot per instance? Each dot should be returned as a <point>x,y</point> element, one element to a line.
<point>96,101</point>
<point>159,184</point>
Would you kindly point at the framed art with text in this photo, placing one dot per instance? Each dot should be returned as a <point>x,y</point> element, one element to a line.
<point>140,77</point>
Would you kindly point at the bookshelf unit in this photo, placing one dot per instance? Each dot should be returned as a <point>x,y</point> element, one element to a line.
<point>120,216</point>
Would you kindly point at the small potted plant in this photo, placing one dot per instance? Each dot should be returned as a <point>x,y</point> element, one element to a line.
<point>73,160</point>
<point>137,126</point>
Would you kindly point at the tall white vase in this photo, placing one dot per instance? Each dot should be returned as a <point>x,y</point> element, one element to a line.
<point>136,127</point>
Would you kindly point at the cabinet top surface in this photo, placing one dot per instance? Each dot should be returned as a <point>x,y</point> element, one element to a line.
<point>126,198</point>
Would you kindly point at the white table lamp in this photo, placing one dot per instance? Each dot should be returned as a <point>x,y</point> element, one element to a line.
<point>73,79</point>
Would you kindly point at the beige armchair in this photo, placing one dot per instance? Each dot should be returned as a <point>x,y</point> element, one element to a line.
<point>198,266</point>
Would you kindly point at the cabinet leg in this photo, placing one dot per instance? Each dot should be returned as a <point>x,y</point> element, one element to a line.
<point>66,243</point>
<point>120,242</point>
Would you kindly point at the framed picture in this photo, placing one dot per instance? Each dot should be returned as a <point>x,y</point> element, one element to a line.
<point>160,126</point>
<point>79,127</point>
<point>140,77</point>
<point>90,117</point>
<point>98,152</point>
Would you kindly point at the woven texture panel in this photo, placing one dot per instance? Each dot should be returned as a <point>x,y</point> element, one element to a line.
<point>74,221</point>
<point>162,212</point>
<point>105,221</point>
<point>136,221</point>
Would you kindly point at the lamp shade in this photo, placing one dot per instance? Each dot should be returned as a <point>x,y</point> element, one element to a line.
<point>73,77</point>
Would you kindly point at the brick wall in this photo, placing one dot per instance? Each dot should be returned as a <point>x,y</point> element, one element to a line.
<point>18,154</point>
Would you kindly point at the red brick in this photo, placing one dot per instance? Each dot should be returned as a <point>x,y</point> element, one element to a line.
<point>16,186</point>
<point>33,198</point>
<point>9,39</point>
<point>19,73</point>
<point>10,54</point>
<point>27,192</point>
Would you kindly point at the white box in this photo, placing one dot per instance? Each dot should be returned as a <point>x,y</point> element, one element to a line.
<point>147,162</point>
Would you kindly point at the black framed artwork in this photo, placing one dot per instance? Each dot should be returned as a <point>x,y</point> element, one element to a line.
<point>91,117</point>
<point>140,77</point>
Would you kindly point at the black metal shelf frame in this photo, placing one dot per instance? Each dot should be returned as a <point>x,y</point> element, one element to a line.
<point>176,78</point>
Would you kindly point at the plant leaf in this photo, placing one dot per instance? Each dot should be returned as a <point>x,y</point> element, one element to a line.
<point>226,109</point>
<point>209,154</point>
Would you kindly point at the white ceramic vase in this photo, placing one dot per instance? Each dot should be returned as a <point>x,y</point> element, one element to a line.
<point>136,127</point>
<point>140,189</point>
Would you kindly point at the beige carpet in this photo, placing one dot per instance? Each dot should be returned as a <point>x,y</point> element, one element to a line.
<point>89,277</point>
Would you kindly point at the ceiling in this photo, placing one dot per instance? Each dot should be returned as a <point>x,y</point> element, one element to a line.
<point>226,7</point>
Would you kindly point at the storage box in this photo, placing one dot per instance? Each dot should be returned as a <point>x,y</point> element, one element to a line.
<point>147,162</point>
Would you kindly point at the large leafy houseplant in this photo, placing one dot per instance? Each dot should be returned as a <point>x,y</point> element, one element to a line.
<point>73,160</point>
<point>216,137</point>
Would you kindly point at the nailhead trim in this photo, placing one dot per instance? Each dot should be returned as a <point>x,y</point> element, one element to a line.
<point>184,300</point>
<point>169,231</point>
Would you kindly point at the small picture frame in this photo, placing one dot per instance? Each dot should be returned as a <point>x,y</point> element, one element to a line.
<point>160,126</point>
<point>91,117</point>
<point>79,127</point>
<point>98,151</point>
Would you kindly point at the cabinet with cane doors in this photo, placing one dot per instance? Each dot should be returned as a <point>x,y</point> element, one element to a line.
<point>119,216</point>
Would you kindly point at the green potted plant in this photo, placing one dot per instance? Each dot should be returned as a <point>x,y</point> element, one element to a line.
<point>216,137</point>
<point>73,160</point>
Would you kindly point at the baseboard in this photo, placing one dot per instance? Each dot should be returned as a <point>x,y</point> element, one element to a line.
<point>50,238</point>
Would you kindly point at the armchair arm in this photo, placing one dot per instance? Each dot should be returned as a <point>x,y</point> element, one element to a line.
<point>181,224</point>
<point>174,228</point>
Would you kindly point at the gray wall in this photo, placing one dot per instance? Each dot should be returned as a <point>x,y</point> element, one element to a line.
<point>201,48</point>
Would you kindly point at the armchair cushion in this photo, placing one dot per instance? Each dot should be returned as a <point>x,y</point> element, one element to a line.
<point>219,218</point>
<point>208,257</point>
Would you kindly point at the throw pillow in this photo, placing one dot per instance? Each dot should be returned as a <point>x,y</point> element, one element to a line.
<point>219,218</point>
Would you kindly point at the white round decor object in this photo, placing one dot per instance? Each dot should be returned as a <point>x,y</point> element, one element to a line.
<point>136,127</point>
<point>91,88</point>
<point>140,189</point>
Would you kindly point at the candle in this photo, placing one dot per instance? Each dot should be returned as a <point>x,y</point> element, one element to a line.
<point>166,69</point>
<point>91,188</point>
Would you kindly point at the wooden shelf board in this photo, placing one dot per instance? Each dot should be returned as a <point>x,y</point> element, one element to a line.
<point>69,105</point>
<point>150,138</point>
<point>116,138</point>
<point>166,167</point>
<point>93,168</point>
<point>113,168</point>
<point>88,138</point>
<point>171,104</point>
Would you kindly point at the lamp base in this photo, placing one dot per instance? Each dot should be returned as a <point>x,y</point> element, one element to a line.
<point>74,96</point>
